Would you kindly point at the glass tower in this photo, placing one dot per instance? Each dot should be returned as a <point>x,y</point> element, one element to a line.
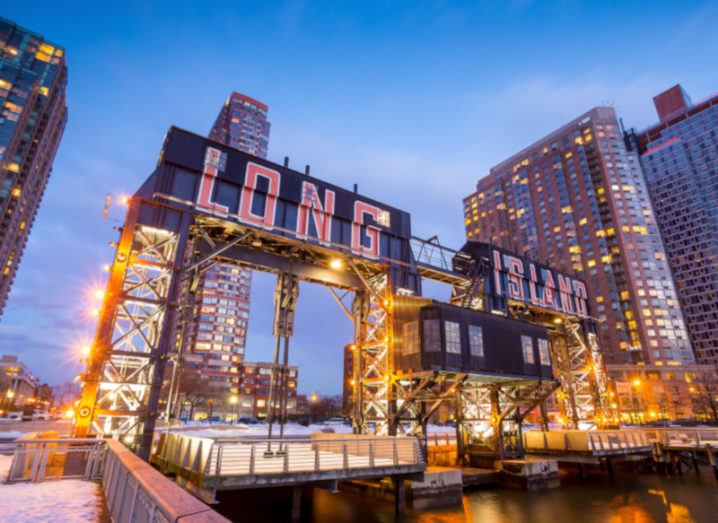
<point>33,114</point>
<point>680,161</point>
<point>577,200</point>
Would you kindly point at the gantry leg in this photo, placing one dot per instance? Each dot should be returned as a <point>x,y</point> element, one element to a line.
<point>285,300</point>
<point>374,358</point>
<point>122,384</point>
<point>578,365</point>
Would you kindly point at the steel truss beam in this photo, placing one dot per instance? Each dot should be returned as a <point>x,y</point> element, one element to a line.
<point>124,370</point>
<point>578,365</point>
<point>489,417</point>
<point>374,401</point>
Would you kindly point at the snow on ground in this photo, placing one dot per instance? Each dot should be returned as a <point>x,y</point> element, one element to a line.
<point>290,429</point>
<point>65,500</point>
<point>259,429</point>
<point>12,434</point>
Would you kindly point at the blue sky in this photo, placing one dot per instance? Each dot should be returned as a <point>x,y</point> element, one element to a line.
<point>414,101</point>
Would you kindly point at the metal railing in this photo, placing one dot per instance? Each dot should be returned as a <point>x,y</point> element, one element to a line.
<point>434,439</point>
<point>134,491</point>
<point>681,437</point>
<point>7,449</point>
<point>430,252</point>
<point>42,459</point>
<point>586,441</point>
<point>205,458</point>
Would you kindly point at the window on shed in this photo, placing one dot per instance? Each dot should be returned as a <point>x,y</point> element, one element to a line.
<point>410,337</point>
<point>544,356</point>
<point>527,345</point>
<point>432,335</point>
<point>453,337</point>
<point>476,341</point>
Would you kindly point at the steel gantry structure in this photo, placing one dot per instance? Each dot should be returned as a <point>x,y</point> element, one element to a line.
<point>206,202</point>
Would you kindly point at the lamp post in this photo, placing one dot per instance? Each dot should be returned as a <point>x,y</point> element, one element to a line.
<point>233,401</point>
<point>7,400</point>
<point>313,400</point>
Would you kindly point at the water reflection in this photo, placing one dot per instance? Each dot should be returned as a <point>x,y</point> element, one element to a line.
<point>646,498</point>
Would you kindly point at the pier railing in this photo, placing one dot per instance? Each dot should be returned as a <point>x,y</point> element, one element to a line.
<point>42,459</point>
<point>199,458</point>
<point>595,442</point>
<point>680,436</point>
<point>134,491</point>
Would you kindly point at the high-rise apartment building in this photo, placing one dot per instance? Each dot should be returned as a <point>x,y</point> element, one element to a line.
<point>33,114</point>
<point>577,200</point>
<point>679,156</point>
<point>242,123</point>
<point>217,335</point>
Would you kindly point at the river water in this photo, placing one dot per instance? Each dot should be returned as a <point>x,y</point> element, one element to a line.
<point>629,498</point>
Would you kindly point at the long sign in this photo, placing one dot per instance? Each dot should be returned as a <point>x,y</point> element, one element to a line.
<point>243,188</point>
<point>524,280</point>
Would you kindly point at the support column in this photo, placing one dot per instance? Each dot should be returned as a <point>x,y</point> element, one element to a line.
<point>399,498</point>
<point>360,311</point>
<point>165,341</point>
<point>496,422</point>
<point>296,502</point>
<point>285,300</point>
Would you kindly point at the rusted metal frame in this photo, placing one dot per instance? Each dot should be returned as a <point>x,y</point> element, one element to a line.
<point>103,336</point>
<point>165,335</point>
<point>340,302</point>
<point>129,316</point>
<point>448,395</point>
<point>209,257</point>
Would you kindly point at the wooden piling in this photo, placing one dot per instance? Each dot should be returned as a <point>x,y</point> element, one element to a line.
<point>296,502</point>
<point>399,498</point>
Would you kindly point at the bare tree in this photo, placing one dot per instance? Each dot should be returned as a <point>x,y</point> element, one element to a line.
<point>195,390</point>
<point>705,392</point>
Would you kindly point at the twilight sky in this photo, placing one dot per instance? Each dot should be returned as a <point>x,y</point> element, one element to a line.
<point>414,101</point>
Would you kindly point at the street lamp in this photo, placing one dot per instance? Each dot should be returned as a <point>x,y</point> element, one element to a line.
<point>233,401</point>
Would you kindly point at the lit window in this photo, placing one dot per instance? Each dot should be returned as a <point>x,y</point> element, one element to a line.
<point>527,347</point>
<point>476,341</point>
<point>544,356</point>
<point>432,336</point>
<point>453,337</point>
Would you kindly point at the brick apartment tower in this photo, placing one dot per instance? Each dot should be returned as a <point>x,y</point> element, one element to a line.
<point>33,113</point>
<point>217,336</point>
<point>254,392</point>
<point>577,200</point>
<point>679,156</point>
